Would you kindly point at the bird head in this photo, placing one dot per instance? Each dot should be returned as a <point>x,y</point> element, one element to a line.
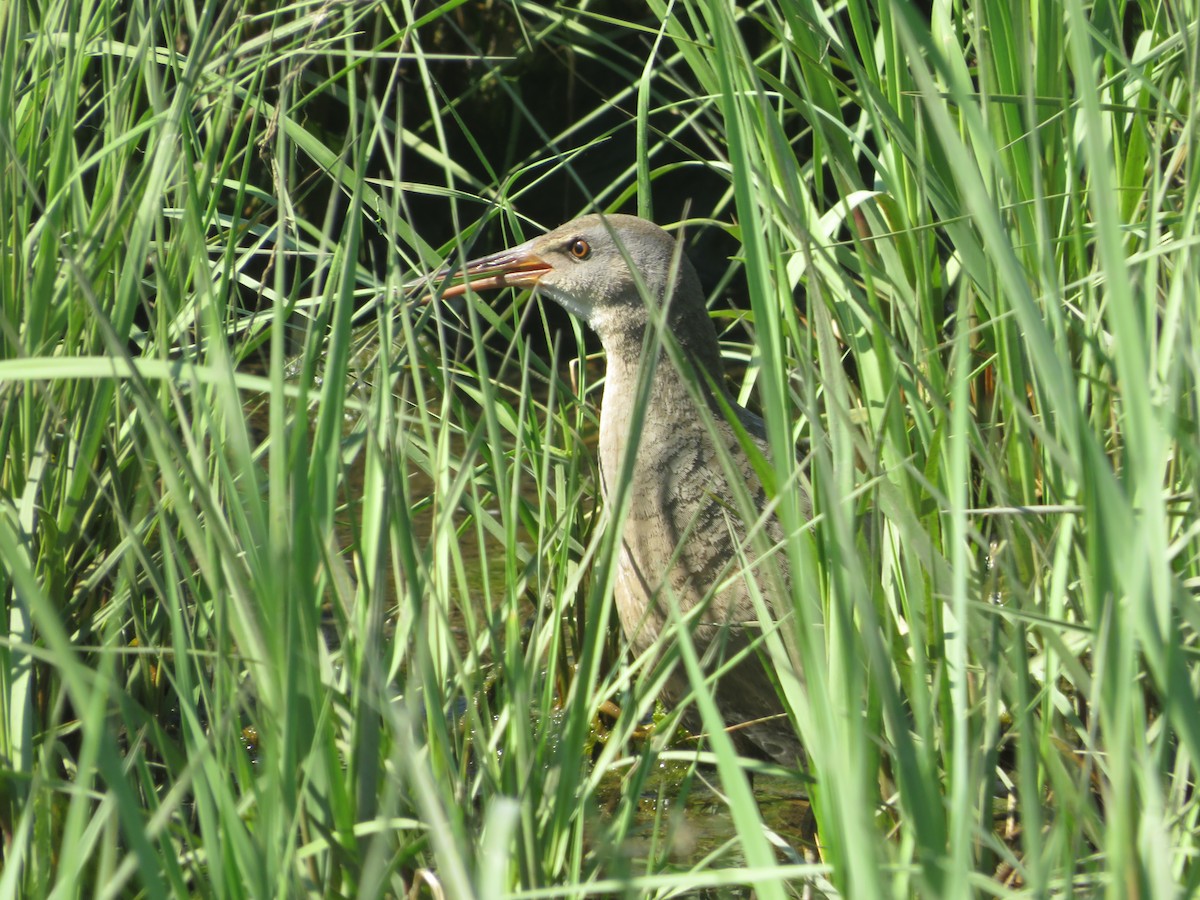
<point>602,269</point>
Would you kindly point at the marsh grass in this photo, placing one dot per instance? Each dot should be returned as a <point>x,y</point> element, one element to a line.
<point>356,643</point>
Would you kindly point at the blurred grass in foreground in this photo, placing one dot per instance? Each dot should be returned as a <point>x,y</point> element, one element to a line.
<point>967,240</point>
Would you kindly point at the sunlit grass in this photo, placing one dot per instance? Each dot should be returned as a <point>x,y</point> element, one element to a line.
<point>307,587</point>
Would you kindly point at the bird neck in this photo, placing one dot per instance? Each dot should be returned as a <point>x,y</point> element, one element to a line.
<point>671,415</point>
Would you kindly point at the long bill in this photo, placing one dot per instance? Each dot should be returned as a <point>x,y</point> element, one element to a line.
<point>518,267</point>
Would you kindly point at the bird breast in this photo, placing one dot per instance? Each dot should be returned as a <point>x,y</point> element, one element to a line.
<point>682,532</point>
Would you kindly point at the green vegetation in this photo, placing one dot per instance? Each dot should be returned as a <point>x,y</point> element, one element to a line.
<point>305,586</point>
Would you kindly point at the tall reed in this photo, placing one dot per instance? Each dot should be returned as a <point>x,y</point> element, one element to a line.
<point>307,587</point>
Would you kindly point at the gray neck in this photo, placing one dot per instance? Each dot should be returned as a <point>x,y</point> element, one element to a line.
<point>671,417</point>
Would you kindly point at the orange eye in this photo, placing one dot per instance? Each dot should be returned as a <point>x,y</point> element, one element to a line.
<point>580,249</point>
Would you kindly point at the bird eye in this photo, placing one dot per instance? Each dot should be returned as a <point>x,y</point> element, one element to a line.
<point>580,249</point>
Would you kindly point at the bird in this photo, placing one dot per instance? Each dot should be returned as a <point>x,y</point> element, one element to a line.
<point>683,536</point>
